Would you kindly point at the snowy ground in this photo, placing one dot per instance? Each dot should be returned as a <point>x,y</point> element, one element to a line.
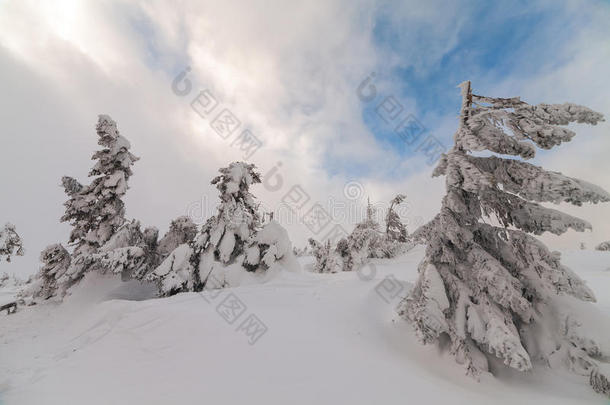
<point>330,339</point>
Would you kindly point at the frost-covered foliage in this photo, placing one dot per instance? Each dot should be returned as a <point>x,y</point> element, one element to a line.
<point>234,238</point>
<point>491,289</point>
<point>604,246</point>
<point>395,229</point>
<point>96,211</point>
<point>10,242</point>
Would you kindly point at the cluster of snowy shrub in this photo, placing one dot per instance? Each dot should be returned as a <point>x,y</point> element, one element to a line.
<point>493,290</point>
<point>102,240</point>
<point>366,241</point>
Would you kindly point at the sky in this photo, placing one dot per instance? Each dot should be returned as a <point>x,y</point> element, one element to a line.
<point>347,100</point>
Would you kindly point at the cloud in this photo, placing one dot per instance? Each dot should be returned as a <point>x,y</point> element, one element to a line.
<point>287,71</point>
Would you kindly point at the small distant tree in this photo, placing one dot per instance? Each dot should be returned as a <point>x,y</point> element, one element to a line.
<point>395,229</point>
<point>365,242</point>
<point>491,289</point>
<point>10,242</point>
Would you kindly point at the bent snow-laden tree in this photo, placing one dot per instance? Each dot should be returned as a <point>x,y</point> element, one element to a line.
<point>10,242</point>
<point>231,243</point>
<point>97,211</point>
<point>493,290</point>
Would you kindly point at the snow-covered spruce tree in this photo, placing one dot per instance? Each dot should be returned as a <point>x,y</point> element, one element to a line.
<point>366,241</point>
<point>230,243</point>
<point>493,290</point>
<point>395,230</point>
<point>97,211</point>
<point>328,259</point>
<point>10,242</point>
<point>181,230</point>
<point>55,262</point>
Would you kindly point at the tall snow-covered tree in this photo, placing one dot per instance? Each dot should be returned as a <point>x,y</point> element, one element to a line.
<point>493,289</point>
<point>10,242</point>
<point>96,211</point>
<point>233,241</point>
<point>395,230</point>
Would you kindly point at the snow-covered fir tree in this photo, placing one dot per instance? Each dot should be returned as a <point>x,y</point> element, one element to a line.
<point>55,262</point>
<point>97,211</point>
<point>230,243</point>
<point>493,289</point>
<point>328,258</point>
<point>10,242</point>
<point>181,230</point>
<point>395,229</point>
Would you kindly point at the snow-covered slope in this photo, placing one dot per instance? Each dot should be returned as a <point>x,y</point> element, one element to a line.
<point>329,339</point>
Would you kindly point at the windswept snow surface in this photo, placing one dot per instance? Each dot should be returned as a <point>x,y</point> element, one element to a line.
<point>330,339</point>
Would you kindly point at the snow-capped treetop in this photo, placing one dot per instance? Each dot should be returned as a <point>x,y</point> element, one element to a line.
<point>10,242</point>
<point>115,157</point>
<point>234,181</point>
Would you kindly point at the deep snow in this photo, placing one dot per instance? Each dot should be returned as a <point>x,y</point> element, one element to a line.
<point>330,339</point>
